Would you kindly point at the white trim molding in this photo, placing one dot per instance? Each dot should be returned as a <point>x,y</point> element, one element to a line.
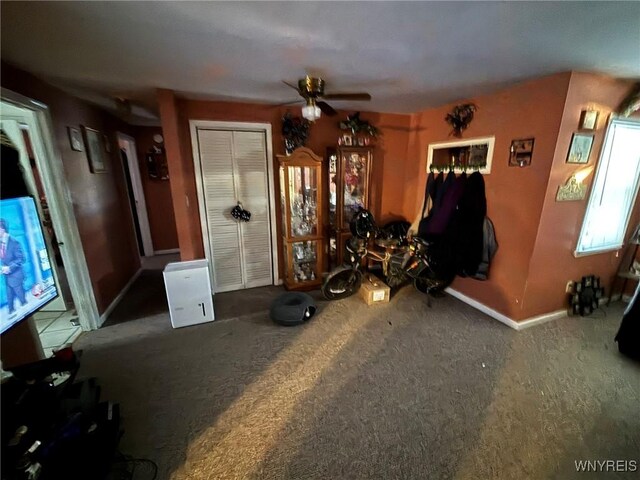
<point>516,325</point>
<point>56,189</point>
<point>138,203</point>
<point>114,303</point>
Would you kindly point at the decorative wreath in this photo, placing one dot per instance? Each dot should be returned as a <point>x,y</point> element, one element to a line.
<point>585,295</point>
<point>460,118</point>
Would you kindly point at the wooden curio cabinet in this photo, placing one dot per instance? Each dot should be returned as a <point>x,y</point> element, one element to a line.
<point>349,181</point>
<point>301,197</point>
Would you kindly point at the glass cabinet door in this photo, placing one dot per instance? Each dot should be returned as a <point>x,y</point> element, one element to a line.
<point>302,185</point>
<point>304,256</point>
<point>283,200</point>
<point>355,181</point>
<point>303,201</point>
<point>333,189</point>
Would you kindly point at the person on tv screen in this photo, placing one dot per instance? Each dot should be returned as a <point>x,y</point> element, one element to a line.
<point>11,260</point>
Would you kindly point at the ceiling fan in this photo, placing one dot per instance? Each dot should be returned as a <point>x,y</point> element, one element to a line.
<point>312,90</point>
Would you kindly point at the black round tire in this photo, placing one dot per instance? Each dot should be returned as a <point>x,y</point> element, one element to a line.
<point>342,284</point>
<point>292,308</point>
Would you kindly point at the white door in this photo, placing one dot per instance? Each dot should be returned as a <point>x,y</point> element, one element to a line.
<point>233,168</point>
<point>13,131</point>
<point>137,203</point>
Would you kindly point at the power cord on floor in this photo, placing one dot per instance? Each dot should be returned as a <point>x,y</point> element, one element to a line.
<point>129,468</point>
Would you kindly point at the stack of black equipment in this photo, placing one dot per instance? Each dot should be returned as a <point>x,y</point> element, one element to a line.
<point>54,427</point>
<point>585,296</point>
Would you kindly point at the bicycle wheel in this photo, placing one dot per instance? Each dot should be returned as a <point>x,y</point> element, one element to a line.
<point>342,284</point>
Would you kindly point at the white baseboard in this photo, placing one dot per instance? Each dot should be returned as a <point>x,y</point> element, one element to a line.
<point>516,325</point>
<point>118,298</point>
<point>166,252</point>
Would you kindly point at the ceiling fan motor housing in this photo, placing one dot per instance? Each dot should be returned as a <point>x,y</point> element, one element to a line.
<point>311,87</point>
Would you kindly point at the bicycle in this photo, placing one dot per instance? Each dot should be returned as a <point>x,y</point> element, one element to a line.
<point>402,261</point>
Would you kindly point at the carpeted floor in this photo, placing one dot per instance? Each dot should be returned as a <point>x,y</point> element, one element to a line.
<point>147,297</point>
<point>393,391</point>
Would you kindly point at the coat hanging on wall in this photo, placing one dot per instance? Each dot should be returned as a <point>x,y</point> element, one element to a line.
<point>457,224</point>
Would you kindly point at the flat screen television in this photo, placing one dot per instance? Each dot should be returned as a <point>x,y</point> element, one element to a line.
<point>27,282</point>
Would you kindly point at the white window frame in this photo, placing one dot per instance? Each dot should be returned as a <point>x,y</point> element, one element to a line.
<point>601,169</point>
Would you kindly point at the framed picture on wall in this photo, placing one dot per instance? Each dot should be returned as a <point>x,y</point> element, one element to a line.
<point>580,148</point>
<point>521,152</point>
<point>107,144</point>
<point>589,119</point>
<point>95,150</point>
<point>75,139</point>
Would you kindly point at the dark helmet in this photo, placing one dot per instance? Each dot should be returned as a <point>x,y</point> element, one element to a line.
<point>362,224</point>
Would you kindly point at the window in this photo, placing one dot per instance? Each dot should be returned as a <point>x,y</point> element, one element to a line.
<point>614,189</point>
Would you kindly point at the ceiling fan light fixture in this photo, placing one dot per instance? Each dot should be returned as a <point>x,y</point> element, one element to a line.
<point>311,111</point>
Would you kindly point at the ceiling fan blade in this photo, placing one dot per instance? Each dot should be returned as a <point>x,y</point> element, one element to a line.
<point>348,96</point>
<point>326,108</point>
<point>290,102</point>
<point>292,86</point>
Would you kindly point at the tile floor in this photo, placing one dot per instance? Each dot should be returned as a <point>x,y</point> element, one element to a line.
<point>56,329</point>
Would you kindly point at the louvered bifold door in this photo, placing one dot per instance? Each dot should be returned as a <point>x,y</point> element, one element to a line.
<point>252,189</point>
<point>234,168</point>
<point>217,171</point>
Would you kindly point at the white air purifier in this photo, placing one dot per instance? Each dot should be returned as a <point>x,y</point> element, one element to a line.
<point>189,293</point>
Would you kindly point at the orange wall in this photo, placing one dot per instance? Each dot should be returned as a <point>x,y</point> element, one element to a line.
<point>390,154</point>
<point>157,194</point>
<point>533,231</point>
<point>99,200</point>
<point>515,195</point>
<point>536,234</point>
<point>181,181</point>
<point>552,262</point>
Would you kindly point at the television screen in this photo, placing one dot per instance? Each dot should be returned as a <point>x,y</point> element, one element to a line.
<point>27,278</point>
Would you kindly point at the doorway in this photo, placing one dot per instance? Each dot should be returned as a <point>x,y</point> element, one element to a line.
<point>233,166</point>
<point>135,193</point>
<point>20,138</point>
<point>43,170</point>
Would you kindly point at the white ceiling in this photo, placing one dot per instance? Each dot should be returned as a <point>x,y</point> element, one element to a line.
<point>408,55</point>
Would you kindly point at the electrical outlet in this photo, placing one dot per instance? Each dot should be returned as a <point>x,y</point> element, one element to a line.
<point>569,287</point>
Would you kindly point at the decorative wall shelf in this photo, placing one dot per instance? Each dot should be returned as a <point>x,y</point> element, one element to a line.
<point>474,153</point>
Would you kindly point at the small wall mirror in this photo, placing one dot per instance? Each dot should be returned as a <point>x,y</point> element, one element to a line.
<point>460,155</point>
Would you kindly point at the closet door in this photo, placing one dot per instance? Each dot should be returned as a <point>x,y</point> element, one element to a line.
<point>218,190</point>
<point>252,189</point>
<point>234,168</point>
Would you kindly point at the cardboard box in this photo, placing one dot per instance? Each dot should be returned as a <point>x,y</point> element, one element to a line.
<point>373,290</point>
